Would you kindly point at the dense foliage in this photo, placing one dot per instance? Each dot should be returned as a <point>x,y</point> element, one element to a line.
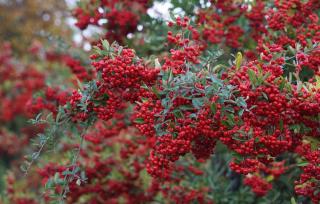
<point>220,104</point>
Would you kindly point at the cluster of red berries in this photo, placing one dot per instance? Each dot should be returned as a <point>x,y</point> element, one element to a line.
<point>119,22</point>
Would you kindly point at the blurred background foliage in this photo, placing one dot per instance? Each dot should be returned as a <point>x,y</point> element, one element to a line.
<point>23,21</point>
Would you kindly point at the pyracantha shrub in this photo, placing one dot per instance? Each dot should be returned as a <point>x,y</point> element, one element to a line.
<point>237,77</point>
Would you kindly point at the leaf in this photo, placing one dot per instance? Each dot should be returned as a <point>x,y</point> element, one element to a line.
<point>145,86</point>
<point>167,76</point>
<point>282,84</point>
<point>293,201</point>
<point>230,119</point>
<point>318,82</point>
<point>265,96</point>
<point>38,116</point>
<point>144,99</point>
<point>252,77</point>
<point>172,16</point>
<point>105,44</point>
<point>303,163</point>
<point>193,115</point>
<point>241,102</point>
<point>238,60</point>
<point>120,50</point>
<point>165,102</point>
<point>270,178</point>
<point>139,120</point>
<point>157,63</point>
<point>213,108</point>
<point>237,156</point>
<point>241,112</point>
<point>56,177</point>
<point>49,184</point>
<point>97,50</point>
<point>216,81</point>
<point>155,91</point>
<point>83,175</point>
<point>253,107</point>
<point>281,124</point>
<point>23,168</point>
<point>67,172</point>
<point>78,182</point>
<point>35,155</point>
<point>177,113</point>
<point>266,76</point>
<point>185,107</point>
<point>197,102</point>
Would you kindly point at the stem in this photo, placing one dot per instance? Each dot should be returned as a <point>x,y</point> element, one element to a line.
<point>74,165</point>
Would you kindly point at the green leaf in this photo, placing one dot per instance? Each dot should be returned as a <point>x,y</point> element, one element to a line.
<point>303,163</point>
<point>231,119</point>
<point>177,113</point>
<point>144,99</point>
<point>155,91</point>
<point>67,172</point>
<point>241,112</point>
<point>293,201</point>
<point>173,18</point>
<point>197,102</point>
<point>120,50</point>
<point>145,86</point>
<point>49,184</point>
<point>139,120</point>
<point>237,156</point>
<point>252,77</point>
<point>282,84</point>
<point>241,102</point>
<point>317,82</point>
<point>213,108</point>
<point>265,96</point>
<point>105,44</point>
<point>281,124</point>
<point>56,177</point>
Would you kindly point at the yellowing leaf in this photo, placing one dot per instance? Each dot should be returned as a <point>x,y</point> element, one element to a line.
<point>238,60</point>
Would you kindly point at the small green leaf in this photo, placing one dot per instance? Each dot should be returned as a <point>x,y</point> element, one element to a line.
<point>197,102</point>
<point>144,99</point>
<point>155,91</point>
<point>265,96</point>
<point>105,44</point>
<point>213,108</point>
<point>281,124</point>
<point>237,156</point>
<point>303,163</point>
<point>139,120</point>
<point>177,113</point>
<point>49,184</point>
<point>241,102</point>
<point>293,201</point>
<point>120,50</point>
<point>270,178</point>
<point>252,77</point>
<point>282,84</point>
<point>241,112</point>
<point>56,177</point>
